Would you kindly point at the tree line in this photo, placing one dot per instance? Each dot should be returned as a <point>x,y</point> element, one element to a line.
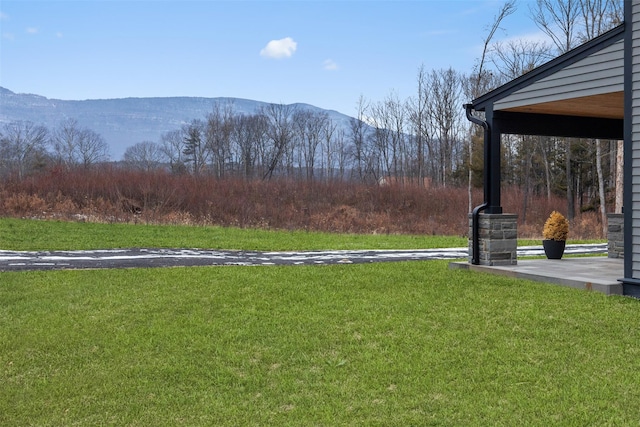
<point>400,140</point>
<point>26,147</point>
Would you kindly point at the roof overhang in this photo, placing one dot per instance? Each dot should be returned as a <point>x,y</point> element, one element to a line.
<point>534,97</point>
<point>606,105</point>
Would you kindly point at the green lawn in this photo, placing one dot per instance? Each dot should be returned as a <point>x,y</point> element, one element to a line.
<point>381,344</point>
<point>20,234</point>
<point>388,344</point>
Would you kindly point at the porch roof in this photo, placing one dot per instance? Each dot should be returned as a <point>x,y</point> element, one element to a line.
<point>586,82</point>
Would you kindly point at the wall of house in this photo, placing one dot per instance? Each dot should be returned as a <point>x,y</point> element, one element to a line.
<point>635,140</point>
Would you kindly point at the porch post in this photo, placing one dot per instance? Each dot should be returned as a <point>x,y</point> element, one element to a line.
<point>493,236</point>
<point>494,163</point>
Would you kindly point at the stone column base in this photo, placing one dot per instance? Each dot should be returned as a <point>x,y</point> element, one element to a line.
<point>498,239</point>
<point>615,235</point>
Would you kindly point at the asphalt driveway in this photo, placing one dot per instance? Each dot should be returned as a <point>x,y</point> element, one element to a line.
<point>148,258</point>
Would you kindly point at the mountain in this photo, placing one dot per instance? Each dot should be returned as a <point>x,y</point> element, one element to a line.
<point>126,121</point>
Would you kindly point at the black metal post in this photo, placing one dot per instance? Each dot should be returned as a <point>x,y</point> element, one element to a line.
<point>494,163</point>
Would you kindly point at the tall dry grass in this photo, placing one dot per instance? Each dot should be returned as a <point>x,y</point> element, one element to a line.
<point>111,194</point>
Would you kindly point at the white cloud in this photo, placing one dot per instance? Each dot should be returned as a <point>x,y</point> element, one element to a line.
<point>277,49</point>
<point>32,30</point>
<point>329,65</point>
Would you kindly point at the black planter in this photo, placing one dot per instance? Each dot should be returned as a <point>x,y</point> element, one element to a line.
<point>553,249</point>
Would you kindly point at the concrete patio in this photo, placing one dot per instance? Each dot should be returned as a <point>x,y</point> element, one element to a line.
<point>589,273</point>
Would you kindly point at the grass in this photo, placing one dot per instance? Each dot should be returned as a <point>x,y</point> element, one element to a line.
<point>21,234</point>
<point>390,344</point>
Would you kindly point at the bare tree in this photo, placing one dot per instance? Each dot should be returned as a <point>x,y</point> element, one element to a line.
<point>77,146</point>
<point>172,147</point>
<point>599,16</point>
<point>383,152</point>
<point>332,145</point>
<point>248,139</point>
<point>341,149</point>
<point>619,167</point>
<point>92,149</point>
<point>195,149</point>
<point>481,77</point>
<point>66,139</point>
<point>569,22</point>
<point>279,133</point>
<point>418,110</point>
<point>401,152</point>
<point>547,165</point>
<point>22,147</point>
<point>558,19</point>
<point>603,213</point>
<point>359,137</point>
<point>517,57</point>
<point>308,127</point>
<point>445,115</point>
<point>145,155</point>
<point>387,118</point>
<point>218,130</point>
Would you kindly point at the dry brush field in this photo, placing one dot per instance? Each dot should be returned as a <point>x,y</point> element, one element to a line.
<point>111,194</point>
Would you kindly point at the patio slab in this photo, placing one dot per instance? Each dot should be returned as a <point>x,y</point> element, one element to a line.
<point>599,274</point>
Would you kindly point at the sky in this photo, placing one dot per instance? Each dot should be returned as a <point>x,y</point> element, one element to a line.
<point>326,53</point>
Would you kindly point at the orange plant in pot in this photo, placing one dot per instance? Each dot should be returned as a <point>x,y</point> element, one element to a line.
<point>554,233</point>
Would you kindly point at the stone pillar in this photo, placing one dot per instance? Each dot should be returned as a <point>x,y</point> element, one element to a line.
<point>615,235</point>
<point>498,239</point>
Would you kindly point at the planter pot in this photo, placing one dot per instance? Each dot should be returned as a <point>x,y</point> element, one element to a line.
<point>554,249</point>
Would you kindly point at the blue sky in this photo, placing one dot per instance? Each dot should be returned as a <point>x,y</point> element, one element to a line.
<point>325,53</point>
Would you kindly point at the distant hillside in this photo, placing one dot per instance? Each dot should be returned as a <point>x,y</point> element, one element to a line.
<point>126,121</point>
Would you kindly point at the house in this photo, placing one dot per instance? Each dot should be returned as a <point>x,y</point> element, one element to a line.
<point>592,91</point>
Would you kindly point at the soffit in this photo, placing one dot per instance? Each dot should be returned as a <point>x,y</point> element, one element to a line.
<point>608,105</point>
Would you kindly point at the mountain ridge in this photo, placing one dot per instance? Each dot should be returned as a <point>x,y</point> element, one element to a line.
<point>123,122</point>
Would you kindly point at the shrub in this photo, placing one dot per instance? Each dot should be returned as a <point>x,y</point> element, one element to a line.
<point>556,227</point>
<point>22,204</point>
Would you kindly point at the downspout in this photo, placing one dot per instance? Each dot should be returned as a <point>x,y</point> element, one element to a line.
<point>475,215</point>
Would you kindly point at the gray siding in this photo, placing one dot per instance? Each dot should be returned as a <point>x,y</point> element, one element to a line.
<point>600,73</point>
<point>635,142</point>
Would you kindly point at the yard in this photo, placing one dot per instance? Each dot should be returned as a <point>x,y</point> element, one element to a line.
<point>381,344</point>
